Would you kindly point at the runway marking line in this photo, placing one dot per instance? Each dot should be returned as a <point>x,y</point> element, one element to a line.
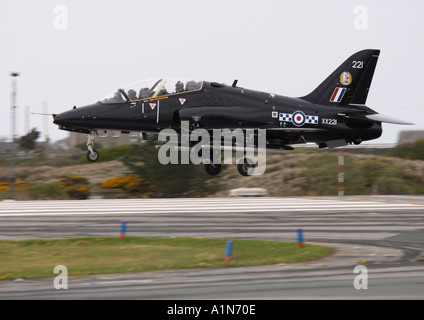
<point>192,205</point>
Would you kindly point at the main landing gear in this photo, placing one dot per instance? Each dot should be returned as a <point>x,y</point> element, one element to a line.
<point>213,169</point>
<point>245,168</point>
<point>92,154</point>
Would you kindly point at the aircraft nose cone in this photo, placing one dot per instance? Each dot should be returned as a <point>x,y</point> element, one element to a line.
<point>77,119</point>
<point>57,119</point>
<point>54,120</point>
<point>65,118</point>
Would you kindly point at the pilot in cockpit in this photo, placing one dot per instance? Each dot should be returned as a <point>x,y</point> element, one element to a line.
<point>117,97</point>
<point>144,93</point>
<point>179,87</point>
<point>163,92</point>
<point>132,94</point>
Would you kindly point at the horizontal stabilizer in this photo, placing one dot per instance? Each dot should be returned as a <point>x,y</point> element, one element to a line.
<point>382,118</point>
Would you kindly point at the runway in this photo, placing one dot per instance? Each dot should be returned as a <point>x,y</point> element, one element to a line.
<point>387,232</point>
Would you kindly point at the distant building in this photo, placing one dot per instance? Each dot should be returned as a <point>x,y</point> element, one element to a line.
<point>7,146</point>
<point>106,140</point>
<point>410,136</point>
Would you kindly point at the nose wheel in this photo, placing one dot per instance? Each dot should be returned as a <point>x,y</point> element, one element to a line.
<point>92,154</point>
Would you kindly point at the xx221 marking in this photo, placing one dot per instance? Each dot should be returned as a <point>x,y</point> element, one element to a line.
<point>329,121</point>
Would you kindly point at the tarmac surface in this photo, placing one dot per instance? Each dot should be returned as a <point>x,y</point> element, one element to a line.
<point>383,233</point>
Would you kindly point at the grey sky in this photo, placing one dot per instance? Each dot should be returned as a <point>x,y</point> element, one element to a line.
<point>283,47</point>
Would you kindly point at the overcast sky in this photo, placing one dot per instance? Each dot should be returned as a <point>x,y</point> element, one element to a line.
<point>76,52</point>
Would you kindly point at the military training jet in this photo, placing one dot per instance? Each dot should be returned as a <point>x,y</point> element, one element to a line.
<point>332,115</point>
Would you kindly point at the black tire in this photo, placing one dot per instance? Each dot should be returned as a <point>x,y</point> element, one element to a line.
<point>213,169</point>
<point>93,157</point>
<point>243,168</point>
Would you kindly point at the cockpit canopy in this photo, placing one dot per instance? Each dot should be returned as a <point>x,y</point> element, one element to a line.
<point>152,88</point>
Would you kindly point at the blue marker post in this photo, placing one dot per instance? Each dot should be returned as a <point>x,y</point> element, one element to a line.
<point>300,238</point>
<point>123,229</point>
<point>228,252</point>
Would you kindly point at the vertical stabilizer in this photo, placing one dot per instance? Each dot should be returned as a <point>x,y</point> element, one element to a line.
<point>349,83</point>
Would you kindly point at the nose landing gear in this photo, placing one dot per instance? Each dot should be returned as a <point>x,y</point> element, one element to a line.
<point>92,154</point>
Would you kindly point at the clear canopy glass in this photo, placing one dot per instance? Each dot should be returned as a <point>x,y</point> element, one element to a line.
<point>152,88</point>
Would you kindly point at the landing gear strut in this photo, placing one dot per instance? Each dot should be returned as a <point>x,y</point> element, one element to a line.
<point>92,154</point>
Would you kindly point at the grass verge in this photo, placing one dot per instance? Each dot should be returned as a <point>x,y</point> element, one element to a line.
<point>27,259</point>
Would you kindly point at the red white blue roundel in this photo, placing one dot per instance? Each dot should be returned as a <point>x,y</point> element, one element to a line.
<point>298,118</point>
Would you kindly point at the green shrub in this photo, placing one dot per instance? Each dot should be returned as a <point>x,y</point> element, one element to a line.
<point>45,191</point>
<point>413,151</point>
<point>393,185</point>
<point>173,180</point>
<point>360,176</point>
<point>321,174</point>
<point>417,152</point>
<point>75,187</point>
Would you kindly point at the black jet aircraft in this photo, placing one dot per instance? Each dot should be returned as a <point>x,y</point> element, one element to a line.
<point>332,115</point>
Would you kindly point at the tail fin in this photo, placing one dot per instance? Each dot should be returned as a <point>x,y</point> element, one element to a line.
<point>349,83</point>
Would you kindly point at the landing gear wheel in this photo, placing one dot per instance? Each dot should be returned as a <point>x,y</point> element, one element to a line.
<point>246,168</point>
<point>213,169</point>
<point>357,141</point>
<point>93,156</point>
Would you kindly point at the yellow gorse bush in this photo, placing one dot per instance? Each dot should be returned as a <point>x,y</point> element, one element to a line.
<point>19,185</point>
<point>131,183</point>
<point>75,187</point>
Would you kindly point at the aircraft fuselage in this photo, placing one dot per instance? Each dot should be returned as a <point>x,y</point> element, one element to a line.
<point>217,106</point>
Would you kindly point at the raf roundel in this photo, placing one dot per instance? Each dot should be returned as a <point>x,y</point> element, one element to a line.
<point>298,118</point>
